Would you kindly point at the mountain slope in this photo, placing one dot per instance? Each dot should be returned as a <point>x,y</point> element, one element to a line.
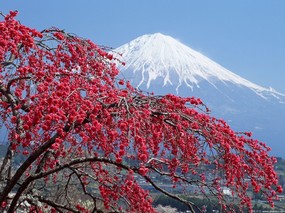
<point>157,56</point>
<point>163,65</point>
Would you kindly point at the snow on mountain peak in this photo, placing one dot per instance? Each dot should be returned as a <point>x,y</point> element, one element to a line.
<point>161,56</point>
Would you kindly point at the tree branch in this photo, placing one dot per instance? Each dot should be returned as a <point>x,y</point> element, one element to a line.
<point>188,203</point>
<point>57,206</point>
<point>109,161</point>
<point>24,167</point>
<point>7,162</point>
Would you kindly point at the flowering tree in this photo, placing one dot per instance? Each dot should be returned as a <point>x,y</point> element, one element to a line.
<point>87,136</point>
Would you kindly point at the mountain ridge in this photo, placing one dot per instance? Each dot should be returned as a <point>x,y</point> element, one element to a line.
<point>161,56</point>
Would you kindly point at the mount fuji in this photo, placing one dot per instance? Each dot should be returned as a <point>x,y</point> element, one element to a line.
<point>160,64</point>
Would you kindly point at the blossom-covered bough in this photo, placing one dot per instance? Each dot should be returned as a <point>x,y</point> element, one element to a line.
<point>87,137</point>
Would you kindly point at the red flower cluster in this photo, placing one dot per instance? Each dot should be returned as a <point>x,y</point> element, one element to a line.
<point>65,110</point>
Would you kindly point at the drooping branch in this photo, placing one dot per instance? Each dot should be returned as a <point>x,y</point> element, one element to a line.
<point>10,61</point>
<point>20,171</point>
<point>188,203</point>
<point>186,180</point>
<point>6,166</point>
<point>79,161</point>
<point>57,206</point>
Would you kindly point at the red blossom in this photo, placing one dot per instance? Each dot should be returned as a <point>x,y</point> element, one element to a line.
<point>143,171</point>
<point>59,35</point>
<point>3,204</point>
<point>121,82</point>
<point>65,109</point>
<point>279,189</point>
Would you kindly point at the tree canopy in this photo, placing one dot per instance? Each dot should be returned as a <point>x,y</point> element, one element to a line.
<point>88,137</point>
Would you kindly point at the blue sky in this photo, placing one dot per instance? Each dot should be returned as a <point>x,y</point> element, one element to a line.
<point>246,37</point>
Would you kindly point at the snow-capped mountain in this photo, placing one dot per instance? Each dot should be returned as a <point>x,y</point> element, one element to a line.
<point>161,64</point>
<point>158,56</point>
